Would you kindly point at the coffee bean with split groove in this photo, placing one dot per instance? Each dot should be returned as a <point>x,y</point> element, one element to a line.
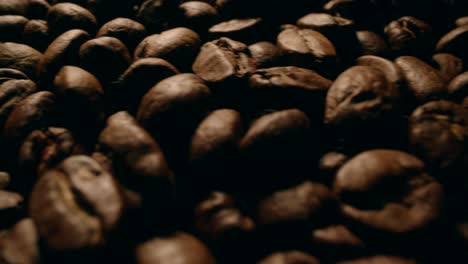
<point>12,92</point>
<point>20,57</point>
<point>36,34</point>
<point>130,32</point>
<point>448,65</point>
<point>75,205</point>
<point>67,16</point>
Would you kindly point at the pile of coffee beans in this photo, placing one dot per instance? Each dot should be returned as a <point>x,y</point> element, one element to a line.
<point>233,131</point>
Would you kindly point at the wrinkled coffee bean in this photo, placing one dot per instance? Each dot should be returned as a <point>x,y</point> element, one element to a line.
<point>130,32</point>
<point>75,204</point>
<point>20,57</point>
<point>67,16</point>
<point>19,244</point>
<point>448,65</point>
<point>290,257</point>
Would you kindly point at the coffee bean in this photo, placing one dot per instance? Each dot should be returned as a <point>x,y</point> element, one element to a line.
<point>10,208</point>
<point>197,15</point>
<point>324,23</point>
<point>154,14</point>
<point>12,92</point>
<point>371,43</point>
<point>390,69</point>
<point>36,34</point>
<point>14,7</point>
<point>5,179</point>
<point>454,41</point>
<point>438,133</point>
<point>239,29</point>
<point>339,240</point>
<point>20,57</point>
<point>458,87</point>
<point>67,16</point>
<point>19,244</point>
<point>390,194</point>
<point>38,9</point>
<point>448,65</point>
<point>289,257</point>
<point>7,74</point>
<point>179,46</point>
<point>380,259</point>
<point>75,205</point>
<point>186,247</point>
<point>264,53</point>
<point>130,32</point>
<point>462,21</point>
<point>12,27</point>
<point>408,36</point>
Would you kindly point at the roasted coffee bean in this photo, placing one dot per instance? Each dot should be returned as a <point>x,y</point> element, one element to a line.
<point>362,12</point>
<point>380,260</point>
<point>448,65</point>
<point>12,27</point>
<point>338,241</point>
<point>38,9</point>
<point>64,50</point>
<point>458,87</point>
<point>179,46</point>
<point>462,21</point>
<point>371,43</point>
<point>247,30</point>
<point>391,194</point>
<point>438,133</point>
<point>287,87</point>
<point>12,92</point>
<point>130,32</point>
<point>75,205</point>
<point>31,113</point>
<point>186,247</point>
<point>329,165</point>
<point>67,16</point>
<point>20,57</point>
<point>408,36</point>
<point>264,53</point>
<point>19,244</point>
<point>5,179</point>
<point>306,48</point>
<point>14,7</point>
<point>105,10</point>
<point>197,15</point>
<point>389,68</point>
<point>7,74</point>
<point>289,257</point>
<point>454,42</point>
<point>10,208</point>
<point>140,77</point>
<point>155,14</point>
<point>324,23</point>
<point>423,81</point>
<point>36,34</point>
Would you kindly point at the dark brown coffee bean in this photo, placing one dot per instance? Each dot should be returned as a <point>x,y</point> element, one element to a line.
<point>187,248</point>
<point>391,193</point>
<point>462,21</point>
<point>458,87</point>
<point>408,36</point>
<point>438,133</point>
<point>306,48</point>
<point>12,92</point>
<point>424,82</point>
<point>179,46</point>
<point>448,65</point>
<point>290,257</point>
<point>139,162</point>
<point>31,113</point>
<point>20,57</point>
<point>43,149</point>
<point>106,10</point>
<point>75,205</point>
<point>19,244</point>
<point>105,57</point>
<point>7,74</point>
<point>218,219</point>
<point>67,16</point>
<point>14,7</point>
<point>36,34</point>
<point>130,32</point>
<point>287,87</point>
<point>361,94</point>
<point>5,180</point>
<point>371,43</point>
<point>140,77</point>
<point>380,260</point>
<point>10,208</point>
<point>247,30</point>
<point>154,14</point>
<point>454,42</point>
<point>389,68</point>
<point>64,50</point>
<point>38,9</point>
<point>337,237</point>
<point>361,12</point>
<point>223,60</point>
<point>12,27</point>
<point>329,165</point>
<point>197,15</point>
<point>264,53</point>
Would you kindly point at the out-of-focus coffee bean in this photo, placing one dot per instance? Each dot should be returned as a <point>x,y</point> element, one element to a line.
<point>371,43</point>
<point>380,259</point>
<point>105,10</point>
<point>7,74</point>
<point>448,65</point>
<point>11,27</point>
<point>409,36</point>
<point>10,208</point>
<point>462,21</point>
<point>179,46</point>
<point>324,23</point>
<point>362,12</point>
<point>454,42</point>
<point>67,16</point>
<point>187,248</point>
<point>289,257</point>
<point>264,53</point>
<point>329,165</point>
<point>197,15</point>
<point>75,204</point>
<point>19,244</point>
<point>20,57</point>
<point>338,240</point>
<point>14,7</point>
<point>247,30</point>
<point>130,32</point>
<point>12,92</point>
<point>36,34</point>
<point>458,87</point>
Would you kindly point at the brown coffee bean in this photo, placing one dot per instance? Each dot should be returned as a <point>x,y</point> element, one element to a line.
<point>198,15</point>
<point>14,7</point>
<point>19,244</point>
<point>64,50</point>
<point>324,23</point>
<point>438,133</point>
<point>380,260</point>
<point>106,10</point>
<point>287,87</point>
<point>336,237</point>
<point>20,57</point>
<point>11,27</point>
<point>7,74</point>
<point>67,16</point>
<point>179,46</point>
<point>154,14</point>
<point>408,36</point>
<point>448,65</point>
<point>264,53</point>
<point>75,205</point>
<point>187,248</point>
<point>458,87</point>
<point>389,68</point>
<point>29,114</point>
<point>462,21</point>
<point>130,32</point>
<point>391,193</point>
<point>36,34</point>
<point>306,48</point>
<point>223,61</point>
<point>246,30</point>
<point>12,92</point>
<point>5,180</point>
<point>329,165</point>
<point>424,82</point>
<point>38,9</point>
<point>371,43</point>
<point>454,42</point>
<point>290,257</point>
<point>10,208</point>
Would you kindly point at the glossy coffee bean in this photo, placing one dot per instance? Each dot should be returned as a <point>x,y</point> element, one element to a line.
<point>12,92</point>
<point>19,244</point>
<point>289,257</point>
<point>14,7</point>
<point>75,205</point>
<point>67,16</point>
<point>130,32</point>
<point>20,57</point>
